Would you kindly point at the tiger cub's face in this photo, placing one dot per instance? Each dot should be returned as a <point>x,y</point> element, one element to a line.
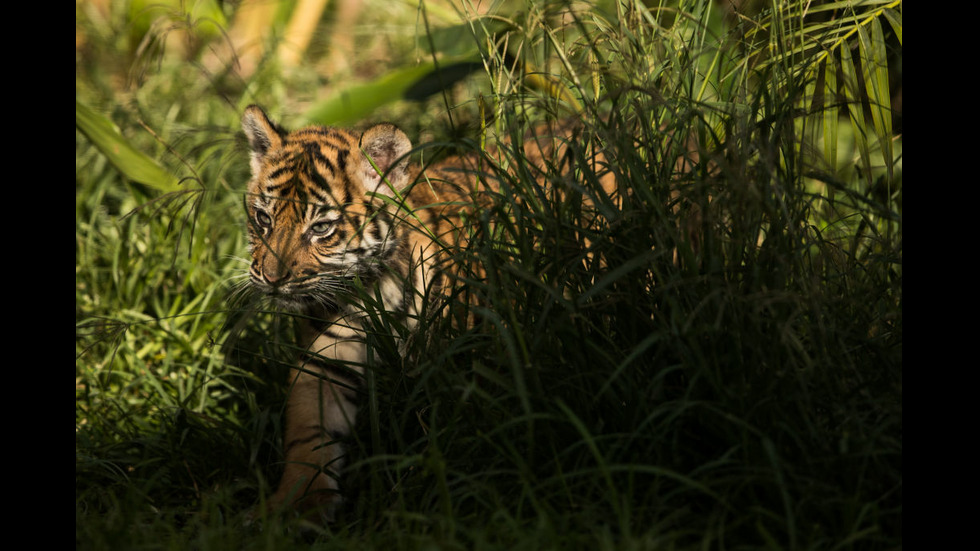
<point>314,219</point>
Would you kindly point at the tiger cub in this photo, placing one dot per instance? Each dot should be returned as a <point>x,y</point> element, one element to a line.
<point>327,207</point>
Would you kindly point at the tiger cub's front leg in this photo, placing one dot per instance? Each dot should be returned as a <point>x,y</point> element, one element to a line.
<point>320,412</point>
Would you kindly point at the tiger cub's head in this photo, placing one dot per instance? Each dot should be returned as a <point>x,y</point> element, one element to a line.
<point>316,218</point>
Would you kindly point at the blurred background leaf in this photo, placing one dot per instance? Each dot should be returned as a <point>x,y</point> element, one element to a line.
<point>134,164</point>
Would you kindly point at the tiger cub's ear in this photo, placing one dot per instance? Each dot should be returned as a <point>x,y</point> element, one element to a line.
<point>262,134</point>
<point>387,147</point>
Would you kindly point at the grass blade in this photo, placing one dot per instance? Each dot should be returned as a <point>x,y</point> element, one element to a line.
<point>852,97</point>
<point>831,116</point>
<point>874,64</point>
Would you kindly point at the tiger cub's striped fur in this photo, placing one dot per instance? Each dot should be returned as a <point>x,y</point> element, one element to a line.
<point>327,207</point>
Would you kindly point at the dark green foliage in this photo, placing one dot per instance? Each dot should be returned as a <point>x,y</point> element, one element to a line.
<point>736,399</point>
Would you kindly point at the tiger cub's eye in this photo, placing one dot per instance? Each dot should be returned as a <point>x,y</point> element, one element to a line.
<point>263,220</point>
<point>322,227</point>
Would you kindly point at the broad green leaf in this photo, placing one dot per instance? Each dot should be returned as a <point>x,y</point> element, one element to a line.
<point>415,83</point>
<point>448,42</point>
<point>132,163</point>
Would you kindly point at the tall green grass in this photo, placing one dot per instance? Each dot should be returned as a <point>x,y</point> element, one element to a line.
<point>709,358</point>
